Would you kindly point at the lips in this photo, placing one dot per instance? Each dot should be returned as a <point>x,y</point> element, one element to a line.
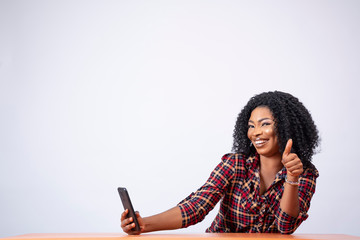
<point>260,142</point>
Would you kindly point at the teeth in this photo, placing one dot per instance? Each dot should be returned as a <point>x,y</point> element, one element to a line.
<point>259,142</point>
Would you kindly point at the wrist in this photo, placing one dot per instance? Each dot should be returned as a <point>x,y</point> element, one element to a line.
<point>292,178</point>
<point>146,225</point>
<point>294,181</point>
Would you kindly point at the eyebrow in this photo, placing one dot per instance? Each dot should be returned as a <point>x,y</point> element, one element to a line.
<point>260,120</point>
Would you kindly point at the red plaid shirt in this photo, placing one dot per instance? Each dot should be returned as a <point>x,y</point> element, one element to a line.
<point>236,181</point>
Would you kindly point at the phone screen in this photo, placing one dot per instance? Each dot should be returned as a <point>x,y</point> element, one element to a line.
<point>125,199</point>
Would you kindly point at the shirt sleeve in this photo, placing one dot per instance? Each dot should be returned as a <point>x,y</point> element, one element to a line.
<point>197,205</point>
<point>288,224</point>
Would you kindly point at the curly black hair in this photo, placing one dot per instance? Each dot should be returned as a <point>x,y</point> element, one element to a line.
<point>292,120</point>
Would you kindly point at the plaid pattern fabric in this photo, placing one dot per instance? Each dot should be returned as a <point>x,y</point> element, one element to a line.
<point>236,181</point>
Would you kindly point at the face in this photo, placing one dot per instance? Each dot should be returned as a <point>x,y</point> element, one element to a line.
<point>261,132</point>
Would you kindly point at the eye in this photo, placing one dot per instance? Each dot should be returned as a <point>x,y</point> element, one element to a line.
<point>266,124</point>
<point>250,126</point>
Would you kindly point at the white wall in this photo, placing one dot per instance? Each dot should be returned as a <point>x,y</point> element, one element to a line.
<point>144,94</point>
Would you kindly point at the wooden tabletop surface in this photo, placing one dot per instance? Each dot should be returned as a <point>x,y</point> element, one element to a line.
<point>227,236</point>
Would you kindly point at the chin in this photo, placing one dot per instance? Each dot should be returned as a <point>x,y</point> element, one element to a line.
<point>262,151</point>
<point>267,154</point>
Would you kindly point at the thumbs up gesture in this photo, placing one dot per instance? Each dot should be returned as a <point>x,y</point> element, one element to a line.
<point>292,162</point>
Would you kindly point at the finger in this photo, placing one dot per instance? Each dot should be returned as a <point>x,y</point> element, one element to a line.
<point>295,168</point>
<point>126,222</point>
<point>296,173</point>
<point>139,218</point>
<point>290,160</point>
<point>123,215</point>
<point>293,164</point>
<point>140,221</point>
<point>288,147</point>
<point>128,228</point>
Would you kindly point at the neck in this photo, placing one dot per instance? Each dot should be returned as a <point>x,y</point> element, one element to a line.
<point>272,163</point>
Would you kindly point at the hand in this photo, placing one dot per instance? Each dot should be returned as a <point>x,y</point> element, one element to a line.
<point>292,162</point>
<point>127,224</point>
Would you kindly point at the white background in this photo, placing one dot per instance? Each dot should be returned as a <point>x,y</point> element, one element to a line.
<point>145,94</point>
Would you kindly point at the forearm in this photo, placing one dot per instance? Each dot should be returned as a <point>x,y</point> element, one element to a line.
<point>168,220</point>
<point>290,199</point>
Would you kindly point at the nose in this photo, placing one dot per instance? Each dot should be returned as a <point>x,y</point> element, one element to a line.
<point>257,131</point>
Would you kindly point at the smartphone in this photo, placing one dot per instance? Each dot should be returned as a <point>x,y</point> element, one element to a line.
<point>125,199</point>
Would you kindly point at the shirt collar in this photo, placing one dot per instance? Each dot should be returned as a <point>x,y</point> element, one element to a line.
<point>253,162</point>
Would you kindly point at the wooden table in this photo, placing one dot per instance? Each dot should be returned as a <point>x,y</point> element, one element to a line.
<point>227,236</point>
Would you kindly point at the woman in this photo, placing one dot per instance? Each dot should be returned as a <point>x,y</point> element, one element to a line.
<point>265,186</point>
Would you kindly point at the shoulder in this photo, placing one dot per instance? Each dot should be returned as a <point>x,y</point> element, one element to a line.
<point>311,172</point>
<point>236,160</point>
<point>233,157</point>
<point>237,164</point>
<point>308,179</point>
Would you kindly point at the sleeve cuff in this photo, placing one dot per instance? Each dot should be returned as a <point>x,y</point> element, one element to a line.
<point>188,218</point>
<point>288,224</point>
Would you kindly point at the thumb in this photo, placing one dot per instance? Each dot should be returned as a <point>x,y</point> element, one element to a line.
<point>288,147</point>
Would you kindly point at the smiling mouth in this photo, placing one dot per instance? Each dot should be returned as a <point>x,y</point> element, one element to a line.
<point>260,143</point>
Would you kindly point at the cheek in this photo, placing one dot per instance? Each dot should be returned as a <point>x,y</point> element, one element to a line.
<point>249,134</point>
<point>270,132</point>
